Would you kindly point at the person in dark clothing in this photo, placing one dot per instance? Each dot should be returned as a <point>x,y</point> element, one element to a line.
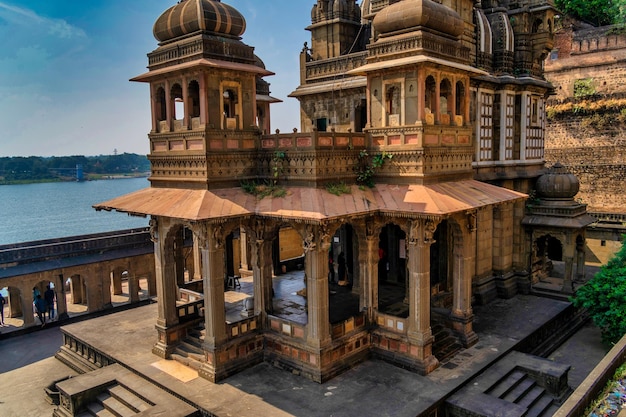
<point>40,309</point>
<point>341,270</point>
<point>49,296</point>
<point>2,303</point>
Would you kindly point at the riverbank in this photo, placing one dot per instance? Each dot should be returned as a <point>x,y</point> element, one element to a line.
<point>87,177</point>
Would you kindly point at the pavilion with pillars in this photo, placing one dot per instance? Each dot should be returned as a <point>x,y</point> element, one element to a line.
<point>447,238</point>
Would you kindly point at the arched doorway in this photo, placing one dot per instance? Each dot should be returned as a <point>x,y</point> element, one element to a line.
<point>392,274</point>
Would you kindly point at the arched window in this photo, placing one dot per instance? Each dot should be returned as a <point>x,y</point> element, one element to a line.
<point>230,103</point>
<point>460,99</point>
<point>194,98</point>
<point>429,96</point>
<point>445,95</point>
<point>176,95</point>
<point>160,105</point>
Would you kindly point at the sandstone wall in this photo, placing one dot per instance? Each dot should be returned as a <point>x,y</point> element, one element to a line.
<point>588,134</point>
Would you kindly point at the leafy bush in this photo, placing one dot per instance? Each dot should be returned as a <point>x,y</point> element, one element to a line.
<point>604,297</point>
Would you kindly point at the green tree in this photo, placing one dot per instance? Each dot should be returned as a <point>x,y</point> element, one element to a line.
<point>596,12</point>
<point>604,297</point>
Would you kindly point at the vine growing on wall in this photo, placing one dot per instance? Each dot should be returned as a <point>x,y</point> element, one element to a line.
<point>368,167</point>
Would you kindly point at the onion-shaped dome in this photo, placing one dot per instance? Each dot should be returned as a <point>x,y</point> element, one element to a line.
<point>408,14</point>
<point>557,183</point>
<point>190,16</point>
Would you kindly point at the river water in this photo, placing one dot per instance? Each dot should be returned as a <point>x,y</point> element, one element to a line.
<point>50,210</point>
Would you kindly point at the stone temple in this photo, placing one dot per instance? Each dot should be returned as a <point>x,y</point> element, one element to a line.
<point>400,204</point>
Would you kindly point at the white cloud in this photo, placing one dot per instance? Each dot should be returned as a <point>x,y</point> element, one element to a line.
<point>26,17</point>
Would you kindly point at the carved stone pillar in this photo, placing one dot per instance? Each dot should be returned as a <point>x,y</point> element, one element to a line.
<point>133,287</point>
<point>167,292</point>
<point>197,260</point>
<point>419,331</point>
<point>179,259</point>
<point>580,260</point>
<point>462,316</point>
<point>116,279</point>
<point>61,313</point>
<point>243,242</point>
<point>211,241</point>
<point>316,246</point>
<point>24,301</point>
<point>261,259</point>
<point>368,266</point>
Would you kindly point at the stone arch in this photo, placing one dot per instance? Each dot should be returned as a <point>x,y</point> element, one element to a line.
<point>460,99</point>
<point>160,104</point>
<point>430,96</point>
<point>177,102</point>
<point>15,306</point>
<point>547,257</point>
<point>193,94</point>
<point>344,272</point>
<point>445,97</point>
<point>392,273</point>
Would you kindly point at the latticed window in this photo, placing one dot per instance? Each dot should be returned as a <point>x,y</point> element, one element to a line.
<point>486,126</point>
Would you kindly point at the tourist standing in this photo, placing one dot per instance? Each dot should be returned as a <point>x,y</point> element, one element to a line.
<point>40,309</point>
<point>2,303</point>
<point>49,297</point>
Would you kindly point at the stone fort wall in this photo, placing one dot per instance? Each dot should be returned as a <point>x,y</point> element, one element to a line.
<point>586,128</point>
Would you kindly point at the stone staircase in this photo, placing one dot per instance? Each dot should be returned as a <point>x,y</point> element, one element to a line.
<point>189,351</point>
<point>114,391</point>
<point>518,385</point>
<point>520,388</point>
<point>116,401</point>
<point>445,344</point>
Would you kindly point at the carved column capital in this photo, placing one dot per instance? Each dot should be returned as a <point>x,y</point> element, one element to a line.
<point>154,229</point>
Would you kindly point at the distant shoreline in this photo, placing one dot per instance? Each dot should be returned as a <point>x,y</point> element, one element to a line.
<point>88,177</point>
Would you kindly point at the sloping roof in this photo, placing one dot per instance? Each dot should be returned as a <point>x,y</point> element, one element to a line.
<point>412,60</point>
<point>312,204</point>
<point>206,63</point>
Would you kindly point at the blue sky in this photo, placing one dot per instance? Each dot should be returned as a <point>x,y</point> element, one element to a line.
<point>65,66</point>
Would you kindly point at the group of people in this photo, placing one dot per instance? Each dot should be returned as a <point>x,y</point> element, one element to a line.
<point>45,304</point>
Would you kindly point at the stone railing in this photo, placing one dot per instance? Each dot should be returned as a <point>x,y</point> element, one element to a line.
<point>425,42</point>
<point>348,326</point>
<point>330,68</point>
<point>314,140</point>
<point>242,327</point>
<point>191,310</point>
<point>43,250</point>
<point>394,324</point>
<point>200,47</point>
<point>286,328</point>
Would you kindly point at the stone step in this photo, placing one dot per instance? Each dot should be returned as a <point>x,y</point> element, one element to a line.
<point>128,398</point>
<point>542,407</point>
<point>191,346</point>
<point>520,390</point>
<point>506,383</point>
<point>532,396</point>
<point>116,407</point>
<point>445,345</point>
<point>187,361</point>
<point>97,410</point>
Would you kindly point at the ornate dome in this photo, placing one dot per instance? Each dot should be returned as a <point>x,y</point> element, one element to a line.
<point>557,183</point>
<point>408,14</point>
<point>190,16</point>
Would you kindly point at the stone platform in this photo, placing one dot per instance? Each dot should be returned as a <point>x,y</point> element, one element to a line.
<point>372,388</point>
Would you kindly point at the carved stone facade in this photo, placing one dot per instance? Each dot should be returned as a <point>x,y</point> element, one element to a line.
<point>432,145</point>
